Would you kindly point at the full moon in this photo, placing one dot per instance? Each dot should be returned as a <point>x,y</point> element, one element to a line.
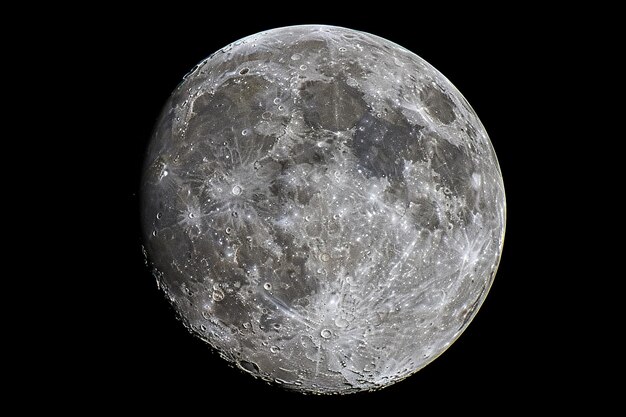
<point>322,207</point>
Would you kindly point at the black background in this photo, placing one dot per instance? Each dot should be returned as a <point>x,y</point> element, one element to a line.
<point>141,355</point>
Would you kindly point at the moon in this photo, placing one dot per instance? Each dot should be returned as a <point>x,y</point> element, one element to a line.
<point>323,207</point>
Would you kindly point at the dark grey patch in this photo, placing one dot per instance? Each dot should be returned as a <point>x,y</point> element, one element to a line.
<point>351,69</point>
<point>285,191</point>
<point>424,214</point>
<point>382,147</point>
<point>309,153</point>
<point>233,108</point>
<point>266,169</point>
<point>438,104</point>
<point>290,282</point>
<point>270,322</point>
<point>232,311</point>
<point>331,106</point>
<point>397,191</point>
<point>307,48</point>
<point>305,194</point>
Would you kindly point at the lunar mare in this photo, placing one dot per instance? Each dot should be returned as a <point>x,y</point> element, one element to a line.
<point>323,207</point>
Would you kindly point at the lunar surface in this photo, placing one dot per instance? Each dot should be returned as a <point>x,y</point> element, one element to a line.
<point>322,207</point>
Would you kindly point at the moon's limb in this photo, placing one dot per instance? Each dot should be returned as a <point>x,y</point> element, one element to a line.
<point>323,207</point>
